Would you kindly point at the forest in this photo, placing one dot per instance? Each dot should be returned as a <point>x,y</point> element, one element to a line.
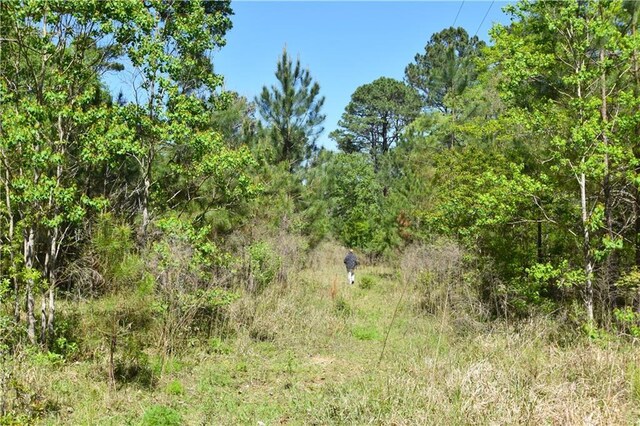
<point>174,255</point>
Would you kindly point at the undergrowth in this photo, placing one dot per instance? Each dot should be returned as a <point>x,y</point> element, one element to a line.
<point>311,352</point>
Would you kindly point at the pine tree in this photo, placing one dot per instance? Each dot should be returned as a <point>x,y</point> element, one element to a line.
<point>291,110</point>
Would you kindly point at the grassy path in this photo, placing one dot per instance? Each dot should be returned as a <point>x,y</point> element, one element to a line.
<point>304,354</point>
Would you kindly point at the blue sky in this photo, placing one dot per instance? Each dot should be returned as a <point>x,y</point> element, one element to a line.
<point>343,44</point>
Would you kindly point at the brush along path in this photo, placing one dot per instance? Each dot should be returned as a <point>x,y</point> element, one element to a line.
<point>306,354</point>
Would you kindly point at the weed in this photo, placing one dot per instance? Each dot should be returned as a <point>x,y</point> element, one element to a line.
<point>241,367</point>
<point>367,332</point>
<point>367,282</point>
<point>159,415</point>
<point>218,346</point>
<point>216,378</point>
<point>175,388</point>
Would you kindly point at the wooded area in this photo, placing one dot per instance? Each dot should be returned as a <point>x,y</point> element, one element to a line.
<point>500,182</point>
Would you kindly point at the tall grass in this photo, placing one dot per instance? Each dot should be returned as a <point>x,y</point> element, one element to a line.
<point>308,352</point>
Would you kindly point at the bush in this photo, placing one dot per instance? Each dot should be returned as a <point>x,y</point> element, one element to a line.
<point>191,294</point>
<point>264,264</point>
<point>64,341</point>
<point>159,415</point>
<point>367,282</point>
<point>439,270</point>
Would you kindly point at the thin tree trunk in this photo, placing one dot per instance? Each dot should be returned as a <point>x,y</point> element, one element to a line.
<point>48,297</point>
<point>145,205</point>
<point>11,223</point>
<point>43,319</point>
<point>605,140</point>
<point>636,151</point>
<point>539,243</point>
<point>113,340</point>
<point>636,212</point>
<point>586,237</point>
<point>29,254</point>
<point>587,257</point>
<point>610,261</point>
<point>52,305</point>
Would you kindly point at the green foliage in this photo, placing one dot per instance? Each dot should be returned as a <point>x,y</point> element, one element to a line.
<point>64,341</point>
<point>175,387</point>
<point>353,196</point>
<point>342,307</point>
<point>120,267</point>
<point>189,299</point>
<point>292,111</point>
<point>160,415</point>
<point>375,118</point>
<point>265,264</point>
<point>628,321</point>
<point>10,333</point>
<point>367,282</point>
<point>634,379</point>
<point>446,68</point>
<point>218,346</point>
<point>365,332</point>
<point>46,359</point>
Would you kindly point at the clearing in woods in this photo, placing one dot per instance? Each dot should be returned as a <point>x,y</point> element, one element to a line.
<point>310,353</point>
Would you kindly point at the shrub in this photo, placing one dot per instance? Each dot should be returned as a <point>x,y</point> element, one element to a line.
<point>108,263</point>
<point>264,264</point>
<point>191,297</point>
<point>440,272</point>
<point>627,321</point>
<point>64,341</point>
<point>367,282</point>
<point>159,415</point>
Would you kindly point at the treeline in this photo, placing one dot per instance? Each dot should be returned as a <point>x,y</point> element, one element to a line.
<point>525,152</point>
<point>176,193</point>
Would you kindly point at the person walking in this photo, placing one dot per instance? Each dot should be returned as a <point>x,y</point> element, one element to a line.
<point>351,261</point>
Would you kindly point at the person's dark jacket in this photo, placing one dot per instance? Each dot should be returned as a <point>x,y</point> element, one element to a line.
<point>350,261</point>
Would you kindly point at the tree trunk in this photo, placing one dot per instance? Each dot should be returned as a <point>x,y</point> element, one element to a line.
<point>48,297</point>
<point>11,224</point>
<point>636,212</point>
<point>539,243</point>
<point>145,205</point>
<point>52,306</point>
<point>43,319</point>
<point>113,340</point>
<point>610,260</point>
<point>636,151</point>
<point>586,246</point>
<point>29,255</point>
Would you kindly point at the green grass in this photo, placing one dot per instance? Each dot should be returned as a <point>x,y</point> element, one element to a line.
<point>322,364</point>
